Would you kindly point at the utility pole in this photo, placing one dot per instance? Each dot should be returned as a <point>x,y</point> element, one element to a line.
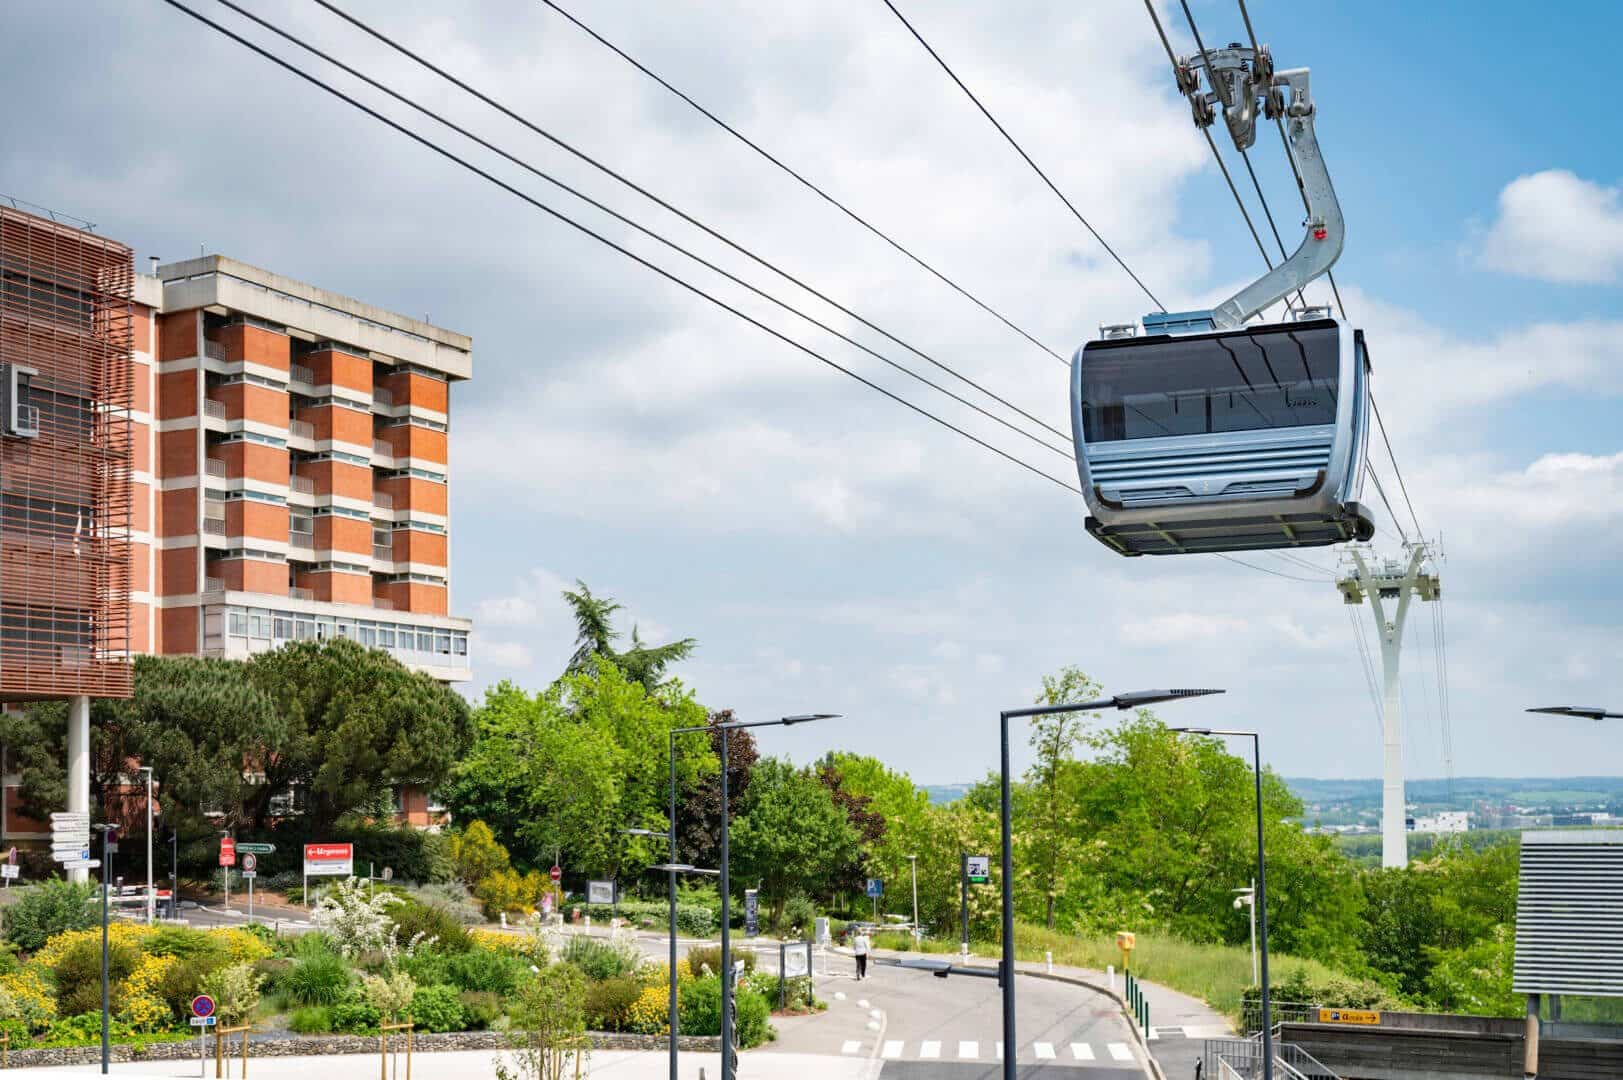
<point>1391,582</point>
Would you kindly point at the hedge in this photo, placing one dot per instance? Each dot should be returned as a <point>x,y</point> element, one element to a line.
<point>694,920</point>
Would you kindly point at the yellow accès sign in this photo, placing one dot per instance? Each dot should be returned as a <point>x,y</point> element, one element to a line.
<point>1349,1016</point>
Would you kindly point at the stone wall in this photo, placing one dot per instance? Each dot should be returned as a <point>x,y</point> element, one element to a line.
<point>261,1046</point>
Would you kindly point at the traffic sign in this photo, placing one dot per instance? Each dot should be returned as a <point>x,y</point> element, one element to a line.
<point>876,888</point>
<point>249,863</point>
<point>556,873</point>
<point>249,875</point>
<point>202,1021</point>
<point>10,871</point>
<point>329,860</point>
<point>11,856</point>
<point>978,869</point>
<point>256,848</point>
<point>71,817</point>
<point>388,873</point>
<point>202,1005</point>
<point>228,851</point>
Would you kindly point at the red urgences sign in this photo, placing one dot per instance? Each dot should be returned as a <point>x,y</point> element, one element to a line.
<point>329,860</point>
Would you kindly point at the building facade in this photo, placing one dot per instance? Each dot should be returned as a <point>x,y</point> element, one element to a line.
<point>292,469</point>
<point>66,325</point>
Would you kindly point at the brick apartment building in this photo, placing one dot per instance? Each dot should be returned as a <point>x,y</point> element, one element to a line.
<point>212,460</point>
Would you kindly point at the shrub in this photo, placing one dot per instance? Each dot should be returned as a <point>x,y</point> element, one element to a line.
<point>482,1009</point>
<point>421,925</point>
<point>179,982</point>
<point>311,1020</point>
<point>609,1003</point>
<point>438,1008</point>
<point>235,990</point>
<point>694,920</point>
<point>83,1030</point>
<point>475,854</point>
<point>453,896</point>
<point>355,1017</point>
<point>355,919</point>
<point>709,956</point>
<point>42,911</point>
<point>600,959</point>
<point>481,969</point>
<point>317,978</point>
<point>391,994</point>
<point>26,1001</point>
<point>752,1020</point>
<point>283,881</point>
<point>1334,992</point>
<point>799,915</point>
<point>78,975</point>
<point>650,1013</point>
<point>186,943</point>
<point>273,969</point>
<point>699,1006</point>
<point>506,891</point>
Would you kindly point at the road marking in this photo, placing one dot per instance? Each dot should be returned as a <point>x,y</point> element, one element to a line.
<point>850,1046</point>
<point>873,1025</point>
<point>839,995</point>
<point>893,1049</point>
<point>1082,1051</point>
<point>862,1003</point>
<point>929,1050</point>
<point>1120,1052</point>
<point>875,1013</point>
<point>1154,1034</point>
<point>1044,1051</point>
<point>970,1050</point>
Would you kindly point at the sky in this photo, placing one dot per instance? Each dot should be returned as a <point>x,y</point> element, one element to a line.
<point>830,549</point>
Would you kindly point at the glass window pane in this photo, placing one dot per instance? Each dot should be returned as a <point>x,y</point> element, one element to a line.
<point>1268,377</point>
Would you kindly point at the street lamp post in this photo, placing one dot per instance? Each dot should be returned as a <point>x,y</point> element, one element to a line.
<point>1132,700</point>
<point>1259,902</point>
<point>913,864</point>
<point>152,897</point>
<point>724,886</point>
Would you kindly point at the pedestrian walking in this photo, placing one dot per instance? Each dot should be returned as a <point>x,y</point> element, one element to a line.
<point>860,946</point>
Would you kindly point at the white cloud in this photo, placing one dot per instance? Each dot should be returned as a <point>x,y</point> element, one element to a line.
<point>506,657</point>
<point>1556,226</point>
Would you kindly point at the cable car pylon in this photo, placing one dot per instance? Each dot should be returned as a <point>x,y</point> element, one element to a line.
<point>1390,584</point>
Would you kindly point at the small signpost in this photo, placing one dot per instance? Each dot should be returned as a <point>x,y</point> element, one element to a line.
<point>600,892</point>
<point>556,873</point>
<point>752,912</point>
<point>202,1019</point>
<point>876,889</point>
<point>10,871</point>
<point>247,848</point>
<point>70,840</point>
<point>973,870</point>
<point>1349,1016</point>
<point>250,870</point>
<point>978,869</point>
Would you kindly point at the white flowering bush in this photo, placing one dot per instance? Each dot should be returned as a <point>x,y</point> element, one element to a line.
<point>355,921</point>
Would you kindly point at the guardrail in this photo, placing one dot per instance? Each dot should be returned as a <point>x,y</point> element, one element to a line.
<point>300,374</point>
<point>301,429</point>
<point>214,409</point>
<point>1242,1058</point>
<point>214,467</point>
<point>1281,1012</point>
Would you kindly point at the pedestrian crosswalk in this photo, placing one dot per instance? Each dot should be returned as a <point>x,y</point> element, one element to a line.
<point>971,1050</point>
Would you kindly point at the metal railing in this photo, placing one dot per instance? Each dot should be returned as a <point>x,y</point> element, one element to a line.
<point>384,447</point>
<point>300,539</point>
<point>214,409</point>
<point>1242,1059</point>
<point>214,526</point>
<point>301,594</point>
<point>213,585</point>
<point>301,429</point>
<point>214,509</point>
<point>382,396</point>
<point>300,374</point>
<point>213,349</point>
<point>214,467</point>
<point>383,603</point>
<point>384,552</point>
<point>1282,1012</point>
<point>382,501</point>
<point>301,484</point>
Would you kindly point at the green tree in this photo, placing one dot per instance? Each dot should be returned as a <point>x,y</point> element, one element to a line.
<point>359,724</point>
<point>790,837</point>
<point>1054,836</point>
<point>595,638</point>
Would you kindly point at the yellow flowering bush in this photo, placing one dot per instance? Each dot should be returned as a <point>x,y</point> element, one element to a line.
<point>650,1013</point>
<point>119,933</point>
<point>26,996</point>
<point>141,1005</point>
<point>497,941</point>
<point>240,945</point>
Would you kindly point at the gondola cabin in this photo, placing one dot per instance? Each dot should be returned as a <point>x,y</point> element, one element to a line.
<point>1191,439</point>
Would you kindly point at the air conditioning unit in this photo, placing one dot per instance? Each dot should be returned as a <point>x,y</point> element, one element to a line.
<point>21,419</point>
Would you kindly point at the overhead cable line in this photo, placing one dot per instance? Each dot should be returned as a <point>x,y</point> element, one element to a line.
<point>1232,559</point>
<point>600,238</point>
<point>803,181</point>
<point>684,215</point>
<point>1381,491</point>
<point>294,39</point>
<point>1394,459</point>
<point>1021,151</point>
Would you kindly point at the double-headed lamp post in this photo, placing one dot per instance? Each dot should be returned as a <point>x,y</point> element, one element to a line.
<point>674,868</point>
<point>1587,712</point>
<point>1133,700</point>
<point>1259,899</point>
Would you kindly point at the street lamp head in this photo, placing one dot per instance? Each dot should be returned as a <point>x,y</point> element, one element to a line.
<point>802,718</point>
<point>1590,712</point>
<point>642,832</point>
<point>1139,698</point>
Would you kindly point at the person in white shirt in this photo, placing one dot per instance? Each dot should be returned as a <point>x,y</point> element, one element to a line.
<point>860,946</point>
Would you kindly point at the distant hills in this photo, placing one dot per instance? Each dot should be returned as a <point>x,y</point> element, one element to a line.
<point>1463,792</point>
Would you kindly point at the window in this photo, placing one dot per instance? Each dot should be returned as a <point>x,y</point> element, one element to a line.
<point>323,631</point>
<point>304,629</point>
<point>1270,377</point>
<point>237,624</point>
<point>344,630</point>
<point>461,645</point>
<point>300,523</point>
<point>381,538</point>
<point>442,644</point>
<point>386,637</point>
<point>425,641</point>
<point>281,629</point>
<point>369,636</point>
<point>259,626</point>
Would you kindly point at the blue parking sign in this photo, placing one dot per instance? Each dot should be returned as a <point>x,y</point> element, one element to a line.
<point>876,888</point>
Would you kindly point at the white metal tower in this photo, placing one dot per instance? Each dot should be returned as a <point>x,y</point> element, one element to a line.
<point>1384,581</point>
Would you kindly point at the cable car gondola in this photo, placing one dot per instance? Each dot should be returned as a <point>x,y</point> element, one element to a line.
<point>1210,433</point>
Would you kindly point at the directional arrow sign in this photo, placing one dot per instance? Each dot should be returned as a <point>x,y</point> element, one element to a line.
<point>70,817</point>
<point>257,849</point>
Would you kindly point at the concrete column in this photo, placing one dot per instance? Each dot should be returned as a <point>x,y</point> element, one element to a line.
<point>1530,1039</point>
<point>79,765</point>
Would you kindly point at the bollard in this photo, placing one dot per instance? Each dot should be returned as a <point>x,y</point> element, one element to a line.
<point>504,920</point>
<point>1110,976</point>
<point>1050,960</point>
